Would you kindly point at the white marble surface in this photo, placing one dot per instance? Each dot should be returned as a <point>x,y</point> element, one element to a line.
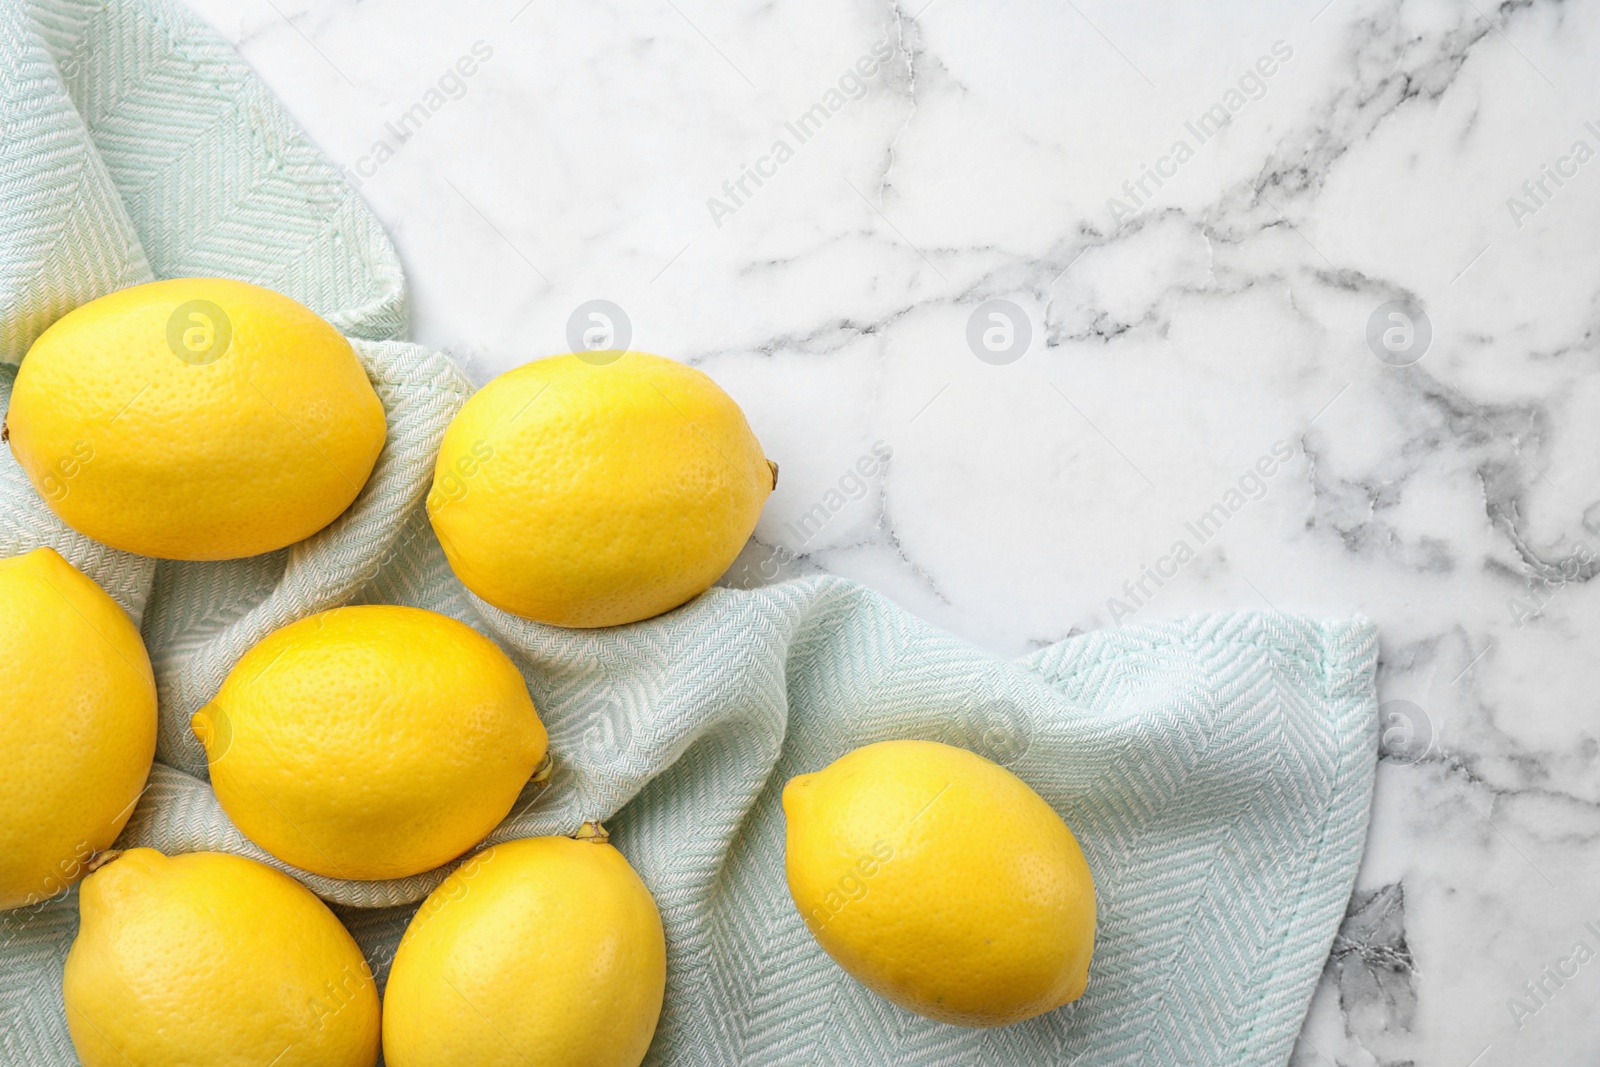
<point>1455,500</point>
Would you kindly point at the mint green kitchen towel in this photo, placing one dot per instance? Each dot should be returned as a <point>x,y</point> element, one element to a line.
<point>1217,770</point>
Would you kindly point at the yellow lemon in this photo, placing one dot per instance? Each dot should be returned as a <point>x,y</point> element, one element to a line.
<point>77,724</point>
<point>371,741</point>
<point>597,488</point>
<point>547,950</point>
<point>940,881</point>
<point>213,959</point>
<point>196,418</point>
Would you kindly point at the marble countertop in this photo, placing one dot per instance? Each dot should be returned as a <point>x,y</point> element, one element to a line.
<point>1063,314</point>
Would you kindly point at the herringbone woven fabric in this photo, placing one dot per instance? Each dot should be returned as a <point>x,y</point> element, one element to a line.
<point>1218,771</point>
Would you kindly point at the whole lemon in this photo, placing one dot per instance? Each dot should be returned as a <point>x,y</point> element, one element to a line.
<point>196,418</point>
<point>940,881</point>
<point>546,950</point>
<point>77,724</point>
<point>213,959</point>
<point>597,488</point>
<point>371,741</point>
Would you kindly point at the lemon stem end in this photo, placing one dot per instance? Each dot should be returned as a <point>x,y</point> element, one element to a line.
<point>542,772</point>
<point>100,859</point>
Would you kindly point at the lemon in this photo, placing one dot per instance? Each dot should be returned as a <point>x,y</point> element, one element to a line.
<point>940,881</point>
<point>77,724</point>
<point>371,741</point>
<point>597,488</point>
<point>547,950</point>
<point>217,960</point>
<point>196,418</point>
